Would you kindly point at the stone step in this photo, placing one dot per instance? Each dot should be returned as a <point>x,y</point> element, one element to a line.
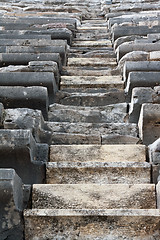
<point>78,82</point>
<point>90,99</point>
<point>95,44</point>
<point>92,62</point>
<point>77,71</point>
<point>95,153</point>
<point>93,196</point>
<point>110,113</point>
<point>98,172</point>
<point>94,128</point>
<point>108,224</point>
<point>93,133</point>
<point>92,54</point>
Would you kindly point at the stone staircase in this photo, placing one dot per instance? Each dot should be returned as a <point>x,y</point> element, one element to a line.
<point>75,161</point>
<point>96,187</point>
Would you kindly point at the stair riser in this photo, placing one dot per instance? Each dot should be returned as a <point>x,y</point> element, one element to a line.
<point>92,227</point>
<point>94,196</point>
<point>100,175</point>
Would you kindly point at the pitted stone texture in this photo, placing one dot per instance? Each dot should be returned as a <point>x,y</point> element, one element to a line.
<point>149,123</point>
<point>87,82</point>
<point>93,196</point>
<point>11,198</point>
<point>97,172</point>
<point>92,224</point>
<point>19,151</point>
<point>96,153</point>
<point>25,118</point>
<point>110,113</point>
<point>92,62</point>
<point>90,99</point>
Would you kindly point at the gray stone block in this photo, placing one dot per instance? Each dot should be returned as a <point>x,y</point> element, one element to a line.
<point>25,97</point>
<point>2,114</point>
<point>149,123</point>
<point>56,33</point>
<point>141,79</point>
<point>22,36</point>
<point>39,49</point>
<point>25,58</point>
<point>11,198</point>
<point>18,150</point>
<point>120,31</point>
<point>45,66</point>
<point>90,99</point>
<point>140,66</point>
<point>24,118</point>
<point>139,96</point>
<point>106,224</point>
<point>27,79</point>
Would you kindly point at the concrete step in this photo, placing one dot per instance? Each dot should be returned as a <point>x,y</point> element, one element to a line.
<point>111,113</point>
<point>93,196</point>
<point>112,96</point>
<point>92,62</point>
<point>78,82</point>
<point>83,224</point>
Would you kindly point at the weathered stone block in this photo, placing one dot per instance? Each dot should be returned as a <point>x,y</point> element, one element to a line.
<point>97,153</point>
<point>141,79</point>
<point>18,150</point>
<point>92,224</point>
<point>97,172</point>
<point>139,96</point>
<point>24,118</point>
<point>25,97</point>
<point>11,198</point>
<point>27,79</point>
<point>149,123</point>
<point>140,66</point>
<point>110,113</point>
<point>93,196</point>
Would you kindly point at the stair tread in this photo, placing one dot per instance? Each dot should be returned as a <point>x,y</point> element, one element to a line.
<point>95,153</point>
<point>95,196</point>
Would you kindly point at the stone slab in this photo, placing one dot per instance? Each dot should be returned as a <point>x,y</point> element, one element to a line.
<point>149,123</point>
<point>97,172</point>
<point>111,113</point>
<point>93,196</point>
<point>11,198</point>
<point>19,151</point>
<point>144,66</point>
<point>92,224</point>
<point>92,62</point>
<point>90,99</point>
<point>26,79</point>
<point>141,79</point>
<point>75,82</point>
<point>25,97</point>
<point>25,58</point>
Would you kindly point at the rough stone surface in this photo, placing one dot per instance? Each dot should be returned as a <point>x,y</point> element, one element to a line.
<point>93,196</point>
